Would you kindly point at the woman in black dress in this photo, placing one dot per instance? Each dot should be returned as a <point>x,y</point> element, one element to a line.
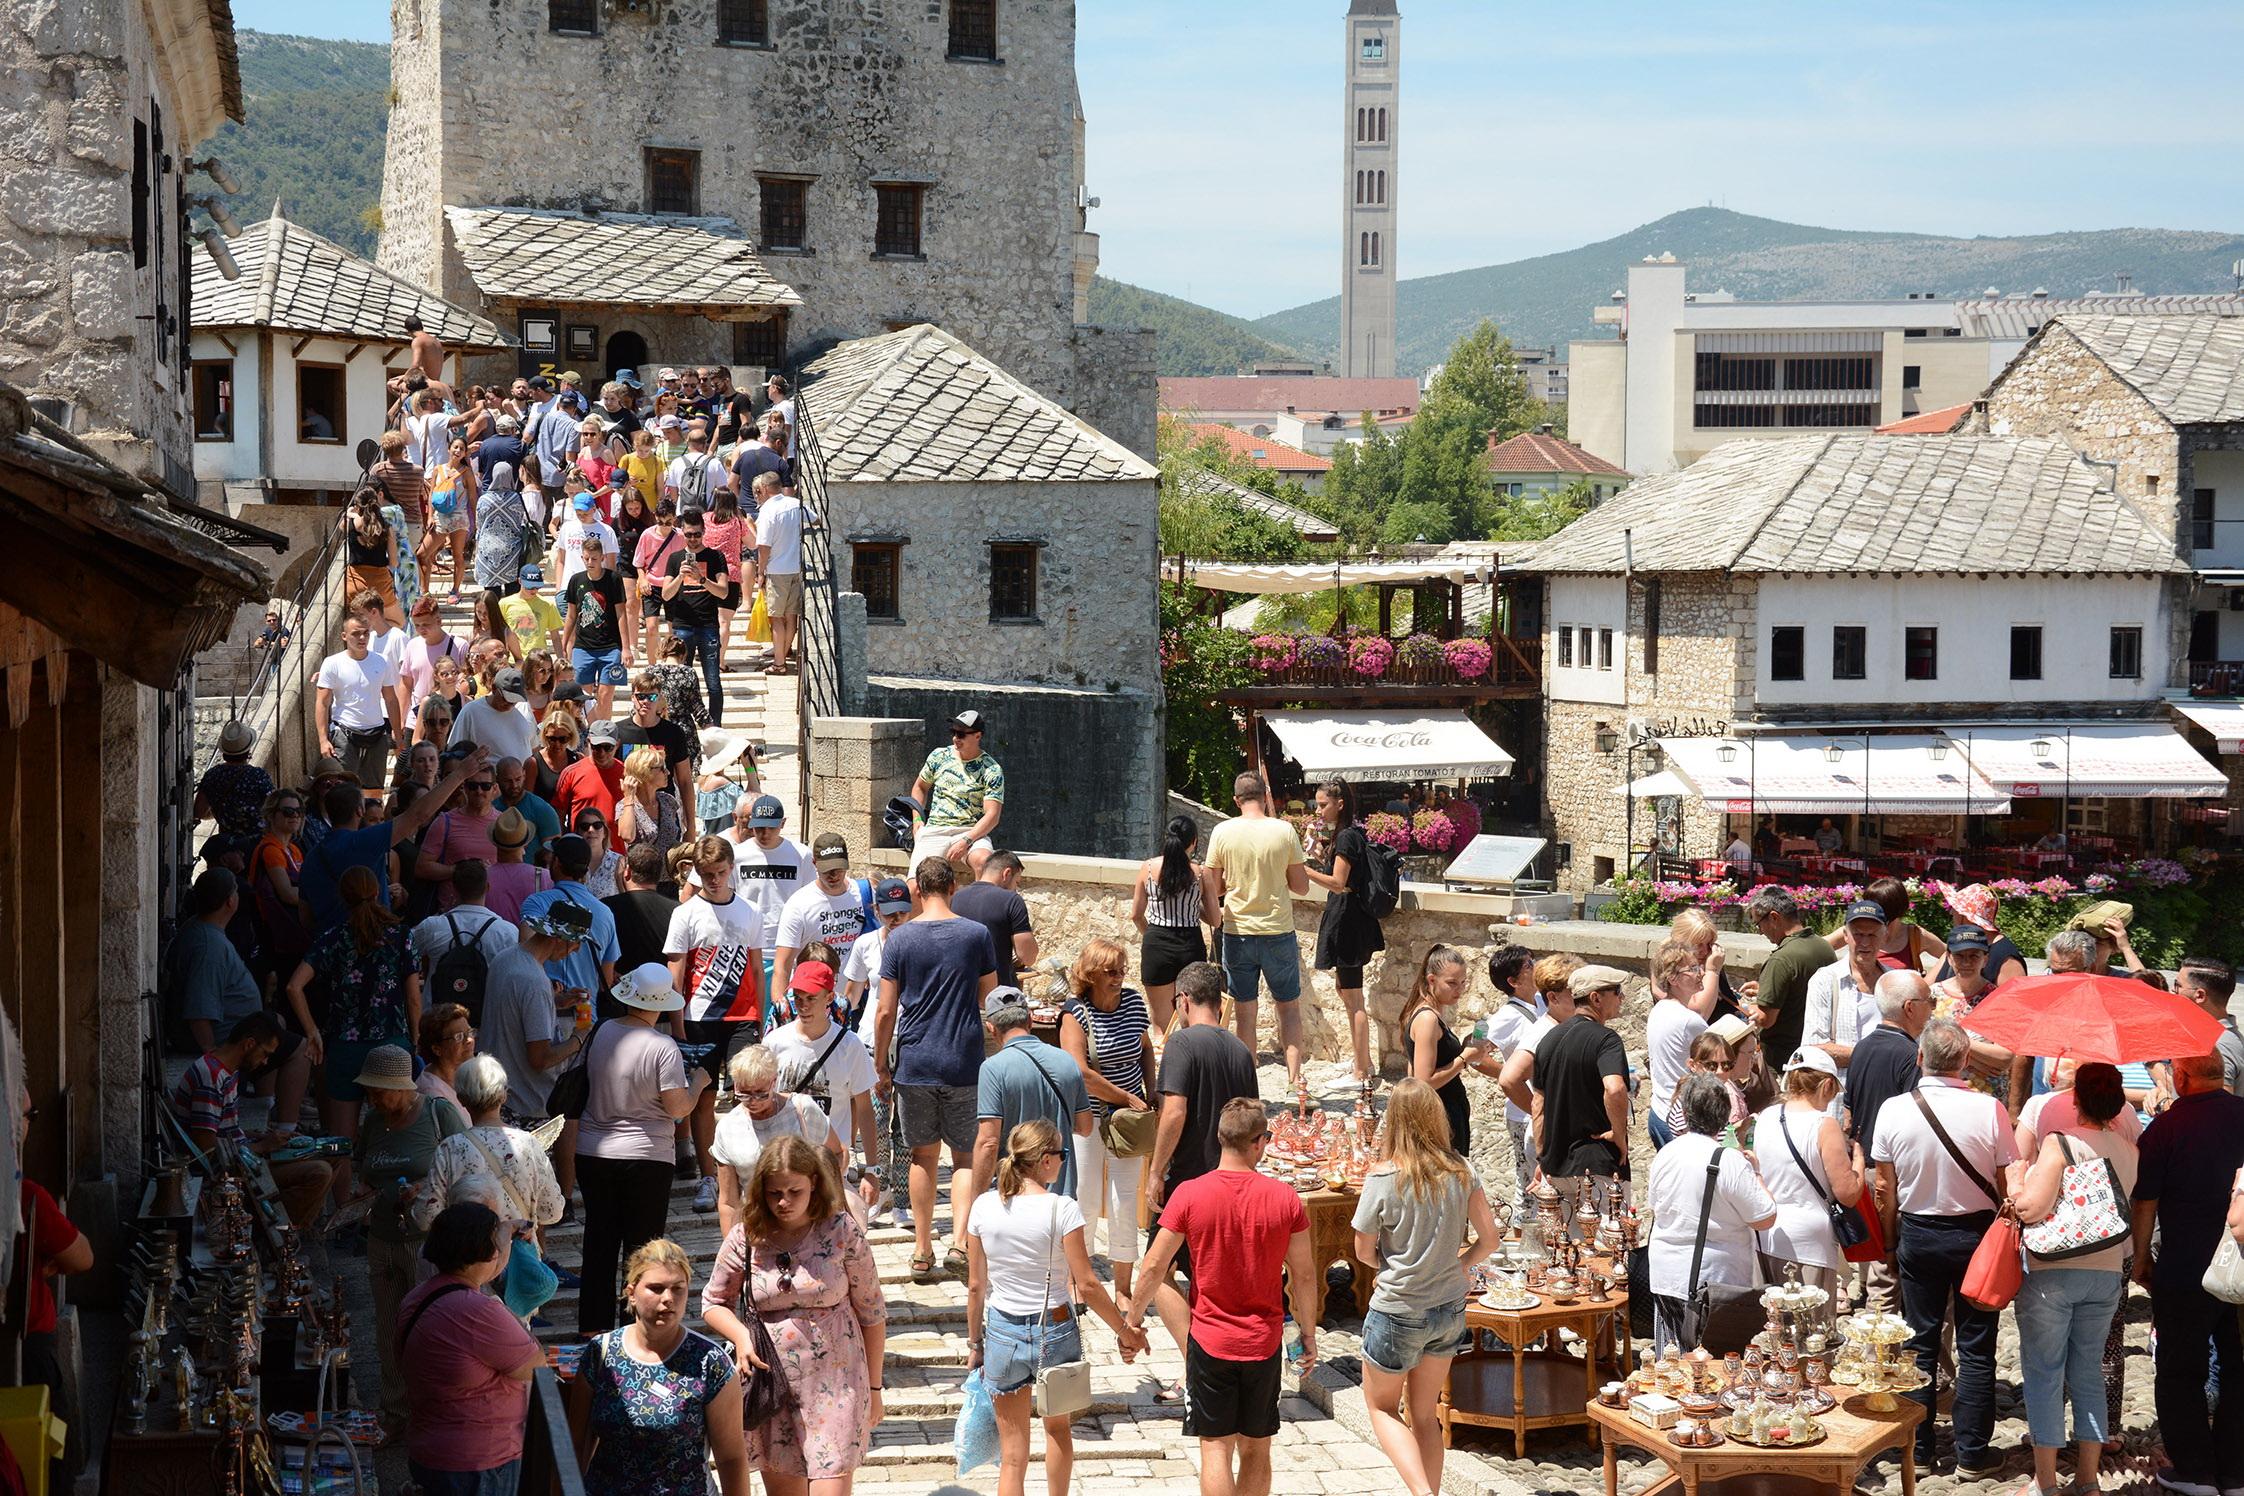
<point>1435,1053</point>
<point>1348,936</point>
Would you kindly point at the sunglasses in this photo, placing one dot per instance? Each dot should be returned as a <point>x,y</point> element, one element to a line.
<point>646,696</point>
<point>484,785</point>
<point>288,810</point>
<point>963,732</point>
<point>592,825</point>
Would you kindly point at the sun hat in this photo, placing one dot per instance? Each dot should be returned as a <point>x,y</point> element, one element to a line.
<point>2104,917</point>
<point>1591,979</point>
<point>331,767</point>
<point>511,829</point>
<point>235,739</point>
<point>563,919</point>
<point>720,750</point>
<point>1974,904</point>
<point>648,989</point>
<point>811,976</point>
<point>386,1068</point>
<point>1809,1058</point>
<point>1730,1028</point>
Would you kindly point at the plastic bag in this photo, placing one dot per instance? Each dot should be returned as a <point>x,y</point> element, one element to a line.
<point>759,621</point>
<point>975,1434</point>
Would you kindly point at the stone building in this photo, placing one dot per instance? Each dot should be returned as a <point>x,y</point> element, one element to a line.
<point>1007,555</point>
<point>291,360</point>
<point>1370,188</point>
<point>1828,611</point>
<point>890,164</point>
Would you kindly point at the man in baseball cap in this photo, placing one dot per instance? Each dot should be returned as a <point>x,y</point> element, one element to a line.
<point>531,617</point>
<point>500,719</point>
<point>963,790</point>
<point>1024,1080</point>
<point>1842,1002</point>
<point>834,908</point>
<point>769,866</point>
<point>1582,1071</point>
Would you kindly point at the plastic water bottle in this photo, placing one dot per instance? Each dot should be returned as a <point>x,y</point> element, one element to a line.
<point>1294,1350</point>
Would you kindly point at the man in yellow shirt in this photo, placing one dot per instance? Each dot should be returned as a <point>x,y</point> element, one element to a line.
<point>531,618</point>
<point>1257,859</point>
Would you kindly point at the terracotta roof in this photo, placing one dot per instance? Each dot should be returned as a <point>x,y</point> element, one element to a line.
<point>1262,451</point>
<point>919,406</point>
<point>1928,423</point>
<point>702,265</point>
<point>1870,505</point>
<point>292,280</point>
<point>2190,367</point>
<point>1280,392</point>
<point>1201,482</point>
<point>1539,452</point>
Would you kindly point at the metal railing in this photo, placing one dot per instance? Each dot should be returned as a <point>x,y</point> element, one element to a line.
<point>315,604</point>
<point>817,644</point>
<point>2216,677</point>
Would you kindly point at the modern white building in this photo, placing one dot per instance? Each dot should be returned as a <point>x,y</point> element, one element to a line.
<point>1369,189</point>
<point>290,361</point>
<point>1692,369</point>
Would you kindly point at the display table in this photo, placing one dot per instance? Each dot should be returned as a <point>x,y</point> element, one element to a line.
<point>1332,1238</point>
<point>1852,1437</point>
<point>1546,1388</point>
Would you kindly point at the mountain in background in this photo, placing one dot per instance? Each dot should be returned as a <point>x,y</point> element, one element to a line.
<point>1188,338</point>
<point>318,112</point>
<point>1547,300</point>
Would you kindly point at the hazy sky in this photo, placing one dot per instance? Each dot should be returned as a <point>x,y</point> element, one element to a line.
<point>1215,128</point>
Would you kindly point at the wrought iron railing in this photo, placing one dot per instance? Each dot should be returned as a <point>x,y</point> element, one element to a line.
<point>818,647</point>
<point>314,607</point>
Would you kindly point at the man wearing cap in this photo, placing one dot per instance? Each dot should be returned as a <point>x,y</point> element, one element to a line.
<point>649,725</point>
<point>1581,1069</point>
<point>594,781</point>
<point>834,908</point>
<point>697,583</point>
<point>499,720</point>
<point>580,529</point>
<point>1025,1080</point>
<point>513,877</point>
<point>358,711</point>
<point>830,1065</point>
<point>591,967</point>
<point>963,790</point>
<point>552,430</point>
<point>1800,953</point>
<point>503,445</point>
<point>524,1027</point>
<point>695,479</point>
<point>993,900</point>
<point>233,791</point>
<point>716,953</point>
<point>513,776</point>
<point>935,972</point>
<point>1842,1004</point>
<point>529,615</point>
<point>770,865</point>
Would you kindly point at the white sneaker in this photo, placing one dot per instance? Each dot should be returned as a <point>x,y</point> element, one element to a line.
<point>705,1197</point>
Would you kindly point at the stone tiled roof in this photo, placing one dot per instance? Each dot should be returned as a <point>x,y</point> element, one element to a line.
<point>292,280</point>
<point>2191,368</point>
<point>918,406</point>
<point>702,265</point>
<point>1869,505</point>
<point>1203,482</point>
<point>2023,316</point>
<point>1540,452</point>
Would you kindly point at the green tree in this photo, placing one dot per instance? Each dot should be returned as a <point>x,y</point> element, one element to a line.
<point>1363,483</point>
<point>1482,376</point>
<point>1546,514</point>
<point>1198,520</point>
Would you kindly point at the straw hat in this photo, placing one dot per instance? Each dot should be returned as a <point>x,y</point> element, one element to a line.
<point>387,1068</point>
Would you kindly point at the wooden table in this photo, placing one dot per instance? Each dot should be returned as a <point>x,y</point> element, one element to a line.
<point>1851,1438</point>
<point>1332,1238</point>
<point>1547,1388</point>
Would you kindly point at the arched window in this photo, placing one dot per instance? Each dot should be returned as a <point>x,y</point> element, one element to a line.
<point>1363,249</point>
<point>1382,124</point>
<point>1382,189</point>
<point>1359,187</point>
<point>1375,247</point>
<point>1360,124</point>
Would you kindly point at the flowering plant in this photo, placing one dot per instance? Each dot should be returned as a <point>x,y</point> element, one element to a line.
<point>1465,816</point>
<point>1319,652</point>
<point>1419,652</point>
<point>1370,656</point>
<point>1470,658</point>
<point>1431,831</point>
<point>1389,830</point>
<point>1272,653</point>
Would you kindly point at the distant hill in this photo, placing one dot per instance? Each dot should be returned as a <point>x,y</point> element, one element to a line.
<point>318,113</point>
<point>1189,338</point>
<point>1547,300</point>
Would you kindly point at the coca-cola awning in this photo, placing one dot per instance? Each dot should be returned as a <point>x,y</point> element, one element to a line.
<point>1399,746</point>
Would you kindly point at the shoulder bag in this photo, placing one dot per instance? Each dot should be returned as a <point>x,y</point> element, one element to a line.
<point>825,1099</point>
<point>528,1284</point>
<point>2224,1276</point>
<point>1127,1131</point>
<point>767,1394</point>
<point>1066,1124</point>
<point>1062,1390</point>
<point>1996,1271</point>
<point>1718,1318</point>
<point>1861,1237</point>
<point>572,1088</point>
<point>2091,1213</point>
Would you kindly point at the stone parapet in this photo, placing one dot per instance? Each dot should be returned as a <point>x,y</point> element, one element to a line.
<point>857,764</point>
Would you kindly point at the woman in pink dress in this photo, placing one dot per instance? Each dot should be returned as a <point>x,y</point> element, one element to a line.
<point>799,1261</point>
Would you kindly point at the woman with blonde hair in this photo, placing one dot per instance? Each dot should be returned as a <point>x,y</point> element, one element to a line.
<point>1107,1030</point>
<point>1437,1056</point>
<point>1696,929</point>
<point>659,1402</point>
<point>1411,1227</point>
<point>798,1261</point>
<point>1026,1266</point>
<point>1806,1163</point>
<point>766,1110</point>
<point>647,810</point>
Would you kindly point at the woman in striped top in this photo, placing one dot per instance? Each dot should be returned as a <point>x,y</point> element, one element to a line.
<point>1174,897</point>
<point>1106,1030</point>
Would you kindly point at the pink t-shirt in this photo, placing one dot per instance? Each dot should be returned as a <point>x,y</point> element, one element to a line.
<point>420,664</point>
<point>468,1411</point>
<point>511,883</point>
<point>456,834</point>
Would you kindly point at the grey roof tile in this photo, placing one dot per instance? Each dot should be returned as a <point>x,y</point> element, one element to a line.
<point>292,280</point>
<point>632,259</point>
<point>2191,368</point>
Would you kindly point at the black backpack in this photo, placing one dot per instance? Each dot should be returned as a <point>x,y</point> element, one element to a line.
<point>1382,888</point>
<point>460,972</point>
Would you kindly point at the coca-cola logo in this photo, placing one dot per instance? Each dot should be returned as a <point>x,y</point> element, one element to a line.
<point>1393,742</point>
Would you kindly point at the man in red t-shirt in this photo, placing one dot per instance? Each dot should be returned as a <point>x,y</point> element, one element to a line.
<point>1241,1227</point>
<point>593,781</point>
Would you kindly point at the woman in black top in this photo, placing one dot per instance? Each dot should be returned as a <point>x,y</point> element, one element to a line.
<point>1348,936</point>
<point>1437,1056</point>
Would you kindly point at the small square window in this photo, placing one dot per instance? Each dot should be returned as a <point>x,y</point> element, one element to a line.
<point>2025,652</point>
<point>974,30</point>
<point>214,400</point>
<point>1788,652</point>
<point>743,23</point>
<point>573,17</point>
<point>786,212</point>
<point>761,344</point>
<point>1912,377</point>
<point>1920,653</point>
<point>897,229</point>
<point>673,181</point>
<point>1013,581</point>
<point>1850,652</point>
<point>2127,652</point>
<point>319,403</point>
<point>875,570</point>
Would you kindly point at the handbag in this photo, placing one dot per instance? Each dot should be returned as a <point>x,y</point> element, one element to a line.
<point>529,1282</point>
<point>2091,1213</point>
<point>767,1394</point>
<point>1126,1132</point>
<point>1718,1318</point>
<point>2224,1276</point>
<point>1064,1390</point>
<point>571,1092</point>
<point>1857,1230</point>
<point>1997,1269</point>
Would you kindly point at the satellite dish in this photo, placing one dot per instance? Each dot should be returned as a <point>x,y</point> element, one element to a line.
<point>367,452</point>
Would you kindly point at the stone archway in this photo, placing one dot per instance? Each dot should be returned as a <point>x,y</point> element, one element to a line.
<point>627,350</point>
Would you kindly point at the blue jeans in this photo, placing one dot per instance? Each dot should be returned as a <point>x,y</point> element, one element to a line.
<point>1276,959</point>
<point>2063,1314</point>
<point>701,642</point>
<point>1662,1134</point>
<point>501,1481</point>
<point>1934,1252</point>
<point>1396,1343</point>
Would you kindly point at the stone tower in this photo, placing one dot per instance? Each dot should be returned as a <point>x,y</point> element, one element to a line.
<point>1368,189</point>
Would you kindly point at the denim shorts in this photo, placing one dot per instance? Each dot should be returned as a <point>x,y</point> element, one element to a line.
<point>1276,959</point>
<point>1397,1342</point>
<point>1009,1349</point>
<point>599,667</point>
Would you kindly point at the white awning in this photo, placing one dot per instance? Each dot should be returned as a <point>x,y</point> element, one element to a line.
<point>1387,745</point>
<point>1655,786</point>
<point>2113,760</point>
<point>2223,719</point>
<point>1223,576</point>
<point>1795,775</point>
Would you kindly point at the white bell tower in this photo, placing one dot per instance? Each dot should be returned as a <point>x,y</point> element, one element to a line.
<point>1369,189</point>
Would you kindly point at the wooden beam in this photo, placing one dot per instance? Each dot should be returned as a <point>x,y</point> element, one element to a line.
<point>231,350</point>
<point>122,609</point>
<point>40,889</point>
<point>356,350</point>
<point>12,856</point>
<point>80,848</point>
<point>296,349</point>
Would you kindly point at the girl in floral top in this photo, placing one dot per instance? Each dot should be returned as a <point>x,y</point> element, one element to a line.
<point>371,997</point>
<point>658,1394</point>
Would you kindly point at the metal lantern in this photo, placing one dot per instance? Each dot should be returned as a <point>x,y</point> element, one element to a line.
<point>1834,754</point>
<point>1727,753</point>
<point>1937,750</point>
<point>2039,748</point>
<point>1607,740</point>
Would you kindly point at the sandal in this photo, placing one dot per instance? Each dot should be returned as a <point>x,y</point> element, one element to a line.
<point>923,1268</point>
<point>954,1263</point>
<point>1168,1392</point>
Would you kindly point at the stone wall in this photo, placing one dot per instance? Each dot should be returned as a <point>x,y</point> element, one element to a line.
<point>2056,387</point>
<point>857,765</point>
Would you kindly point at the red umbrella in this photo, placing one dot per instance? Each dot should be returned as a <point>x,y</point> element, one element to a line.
<point>2086,1017</point>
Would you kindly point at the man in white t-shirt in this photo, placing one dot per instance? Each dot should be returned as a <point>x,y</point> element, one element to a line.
<point>382,637</point>
<point>1516,1081</point>
<point>832,909</point>
<point>582,525</point>
<point>695,478</point>
<point>358,708</point>
<point>715,950</point>
<point>770,866</point>
<point>1842,1003</point>
<point>779,553</point>
<point>499,720</point>
<point>820,1059</point>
